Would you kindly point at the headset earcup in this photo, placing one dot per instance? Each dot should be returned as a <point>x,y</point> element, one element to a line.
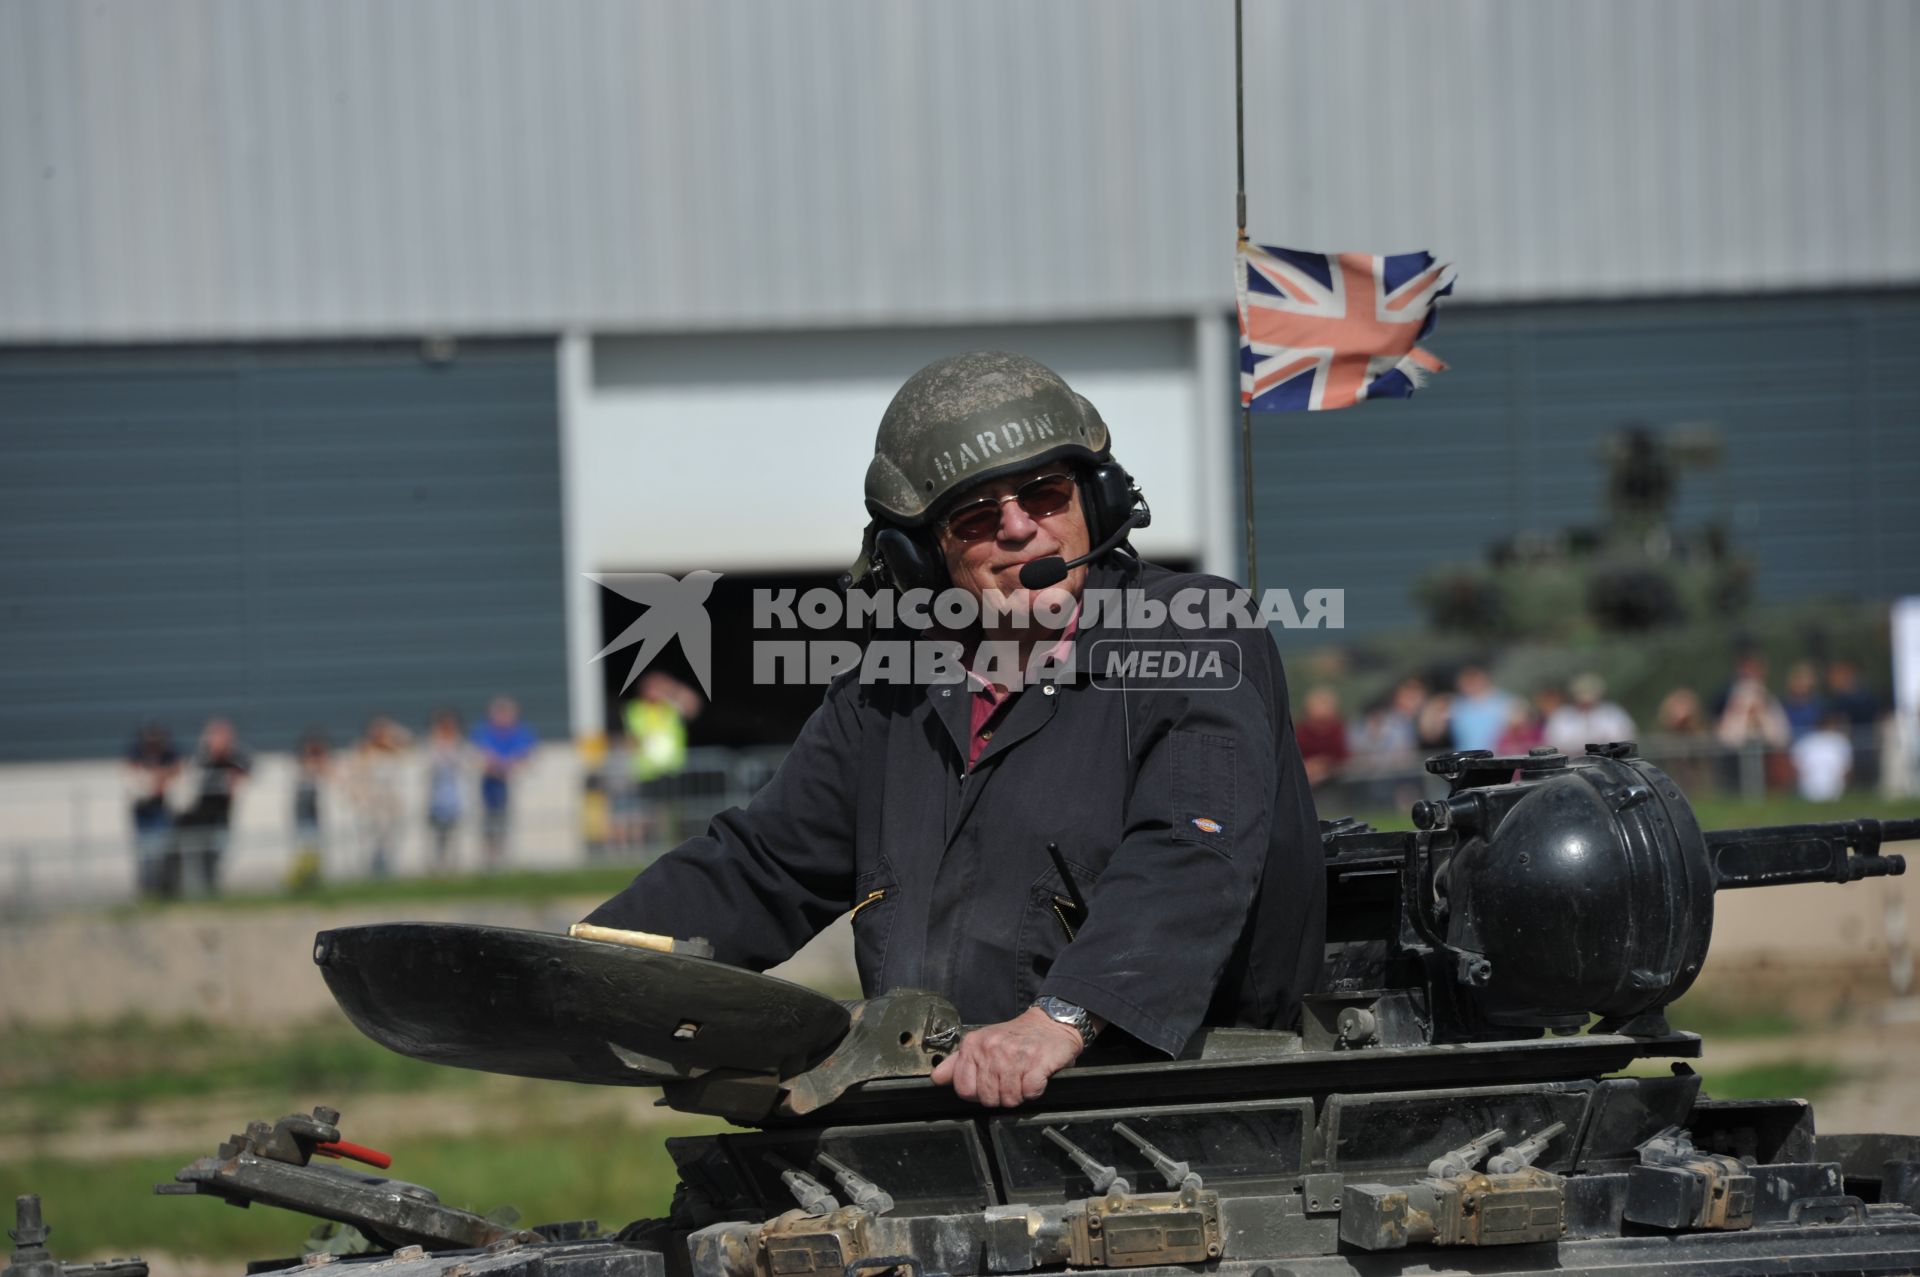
<point>1110,498</point>
<point>909,562</point>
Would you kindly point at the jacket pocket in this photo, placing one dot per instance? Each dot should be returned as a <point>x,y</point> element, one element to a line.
<point>1203,789</point>
<point>1048,924</point>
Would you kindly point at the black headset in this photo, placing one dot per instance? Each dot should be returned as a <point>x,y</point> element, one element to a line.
<point>909,558</point>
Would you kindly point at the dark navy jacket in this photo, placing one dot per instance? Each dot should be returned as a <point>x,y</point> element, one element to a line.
<point>1183,816</point>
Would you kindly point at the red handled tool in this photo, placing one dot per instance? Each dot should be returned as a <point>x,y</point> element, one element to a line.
<point>358,1152</point>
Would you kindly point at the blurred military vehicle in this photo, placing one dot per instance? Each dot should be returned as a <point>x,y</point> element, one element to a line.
<point>1454,1099</point>
<point>1638,568</point>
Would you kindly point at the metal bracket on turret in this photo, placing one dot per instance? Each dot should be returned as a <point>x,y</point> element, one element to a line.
<point>899,1034</point>
<point>1511,1202</point>
<point>821,1238</point>
<point>798,1244</point>
<point>1677,1186</point>
<point>1417,868</point>
<point>1472,768</point>
<point>1119,1228</point>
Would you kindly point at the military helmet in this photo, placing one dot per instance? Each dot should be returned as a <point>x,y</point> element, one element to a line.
<point>967,418</point>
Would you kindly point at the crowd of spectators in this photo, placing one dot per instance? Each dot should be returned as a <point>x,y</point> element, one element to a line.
<point>1817,736</point>
<point>178,850</point>
<point>351,801</point>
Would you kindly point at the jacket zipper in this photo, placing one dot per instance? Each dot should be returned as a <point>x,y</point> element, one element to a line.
<point>1060,907</point>
<point>1072,899</point>
<point>873,898</point>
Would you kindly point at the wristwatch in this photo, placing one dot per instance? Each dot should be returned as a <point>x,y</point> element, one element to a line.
<point>1075,1017</point>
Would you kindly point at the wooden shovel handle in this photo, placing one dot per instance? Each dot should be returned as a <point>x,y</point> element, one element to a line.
<point>613,935</point>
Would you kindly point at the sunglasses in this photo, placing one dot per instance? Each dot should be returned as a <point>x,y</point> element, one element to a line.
<point>978,520</point>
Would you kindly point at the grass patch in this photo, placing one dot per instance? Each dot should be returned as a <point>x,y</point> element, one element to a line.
<point>598,1171</point>
<point>518,886</point>
<point>1718,811</point>
<point>1790,1079</point>
<point>1720,1019</point>
<point>52,1076</point>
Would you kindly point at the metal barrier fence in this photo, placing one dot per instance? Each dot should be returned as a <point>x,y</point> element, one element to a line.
<point>81,851</point>
<point>85,853</point>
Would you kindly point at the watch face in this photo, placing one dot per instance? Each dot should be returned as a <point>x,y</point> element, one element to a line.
<point>1064,1012</point>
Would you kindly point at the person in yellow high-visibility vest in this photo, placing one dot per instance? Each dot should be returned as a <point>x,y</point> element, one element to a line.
<point>657,723</point>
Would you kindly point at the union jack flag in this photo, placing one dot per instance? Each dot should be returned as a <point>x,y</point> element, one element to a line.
<point>1322,330</point>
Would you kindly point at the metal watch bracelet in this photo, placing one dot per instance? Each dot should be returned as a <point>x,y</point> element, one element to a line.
<point>1075,1017</point>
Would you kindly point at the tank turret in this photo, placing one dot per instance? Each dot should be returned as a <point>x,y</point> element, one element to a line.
<point>1455,1090</point>
<point>1545,891</point>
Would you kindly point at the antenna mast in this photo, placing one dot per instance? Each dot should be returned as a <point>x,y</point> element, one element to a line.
<point>1240,210</point>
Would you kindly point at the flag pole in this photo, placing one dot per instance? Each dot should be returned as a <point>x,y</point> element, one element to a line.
<point>1240,211</point>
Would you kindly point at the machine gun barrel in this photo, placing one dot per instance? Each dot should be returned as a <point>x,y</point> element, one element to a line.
<point>1775,855</point>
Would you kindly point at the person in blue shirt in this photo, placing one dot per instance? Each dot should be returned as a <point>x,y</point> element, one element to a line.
<point>505,744</point>
<point>1802,701</point>
<point>1480,710</point>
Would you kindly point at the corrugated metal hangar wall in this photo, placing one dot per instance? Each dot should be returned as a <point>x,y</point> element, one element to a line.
<point>1816,401</point>
<point>293,537</point>
<point>206,169</point>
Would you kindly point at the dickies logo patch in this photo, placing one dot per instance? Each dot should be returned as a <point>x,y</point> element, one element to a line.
<point>1206,826</point>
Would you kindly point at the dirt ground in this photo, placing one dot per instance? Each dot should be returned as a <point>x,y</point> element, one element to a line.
<point>1823,946</point>
<point>1880,1091</point>
<point>252,967</point>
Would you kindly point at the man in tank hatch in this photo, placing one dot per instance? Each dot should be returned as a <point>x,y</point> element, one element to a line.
<point>1059,841</point>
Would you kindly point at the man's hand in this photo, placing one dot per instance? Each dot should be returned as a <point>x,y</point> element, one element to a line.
<point>1005,1064</point>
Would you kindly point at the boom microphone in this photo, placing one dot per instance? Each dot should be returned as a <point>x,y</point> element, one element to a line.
<point>1041,573</point>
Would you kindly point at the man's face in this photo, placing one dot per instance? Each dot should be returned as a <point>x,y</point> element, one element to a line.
<point>993,563</point>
